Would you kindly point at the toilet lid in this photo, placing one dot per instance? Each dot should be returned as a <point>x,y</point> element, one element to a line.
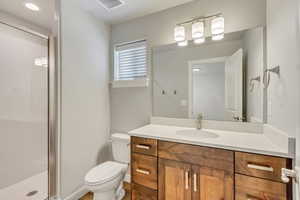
<point>104,172</point>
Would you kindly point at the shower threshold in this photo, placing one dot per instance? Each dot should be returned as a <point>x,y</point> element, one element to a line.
<point>32,188</point>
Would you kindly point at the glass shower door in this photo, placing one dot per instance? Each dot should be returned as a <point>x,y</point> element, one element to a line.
<point>23,115</point>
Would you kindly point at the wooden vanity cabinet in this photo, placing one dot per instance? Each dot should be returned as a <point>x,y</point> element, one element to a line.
<point>173,171</point>
<point>251,188</point>
<point>209,183</point>
<point>258,177</point>
<point>174,180</point>
<point>144,172</point>
<point>193,172</point>
<point>182,181</point>
<point>143,193</point>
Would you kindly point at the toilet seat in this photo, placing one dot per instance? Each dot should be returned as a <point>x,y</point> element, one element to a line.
<point>104,172</point>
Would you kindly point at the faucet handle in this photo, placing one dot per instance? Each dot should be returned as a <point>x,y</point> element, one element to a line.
<point>200,116</point>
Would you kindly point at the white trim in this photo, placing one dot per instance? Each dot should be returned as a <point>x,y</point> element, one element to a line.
<point>23,28</point>
<point>116,58</point>
<point>130,83</point>
<point>190,78</point>
<point>80,192</point>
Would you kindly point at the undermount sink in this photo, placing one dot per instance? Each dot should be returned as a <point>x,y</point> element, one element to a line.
<point>197,133</point>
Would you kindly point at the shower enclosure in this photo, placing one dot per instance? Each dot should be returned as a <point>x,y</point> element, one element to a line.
<point>23,114</point>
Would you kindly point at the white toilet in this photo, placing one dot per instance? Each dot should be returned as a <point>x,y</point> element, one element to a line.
<point>105,180</point>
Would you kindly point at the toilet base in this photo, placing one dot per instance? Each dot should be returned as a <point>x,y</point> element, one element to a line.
<point>108,195</point>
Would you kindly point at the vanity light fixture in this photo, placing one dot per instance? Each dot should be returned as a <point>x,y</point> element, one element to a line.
<point>198,29</point>
<point>218,28</point>
<point>179,33</point>
<point>198,32</point>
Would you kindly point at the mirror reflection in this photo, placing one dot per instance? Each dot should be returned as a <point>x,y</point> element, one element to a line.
<point>221,80</point>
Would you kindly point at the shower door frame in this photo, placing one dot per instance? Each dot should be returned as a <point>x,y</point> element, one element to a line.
<point>53,103</point>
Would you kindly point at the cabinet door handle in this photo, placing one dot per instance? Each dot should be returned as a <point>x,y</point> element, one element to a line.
<point>260,167</point>
<point>195,182</point>
<point>141,146</point>
<point>186,180</point>
<point>142,171</point>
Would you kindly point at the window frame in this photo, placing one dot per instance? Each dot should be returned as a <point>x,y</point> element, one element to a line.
<point>135,82</point>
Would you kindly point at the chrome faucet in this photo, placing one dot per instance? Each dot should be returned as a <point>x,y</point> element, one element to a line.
<point>199,121</point>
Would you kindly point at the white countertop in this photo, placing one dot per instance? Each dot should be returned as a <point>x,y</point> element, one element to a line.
<point>238,141</point>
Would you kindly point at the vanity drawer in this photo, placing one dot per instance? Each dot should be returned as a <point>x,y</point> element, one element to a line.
<point>198,155</point>
<point>261,166</point>
<point>144,170</point>
<point>144,146</point>
<point>251,188</point>
<point>142,193</point>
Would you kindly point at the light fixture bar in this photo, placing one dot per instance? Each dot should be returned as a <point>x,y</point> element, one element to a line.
<point>199,19</point>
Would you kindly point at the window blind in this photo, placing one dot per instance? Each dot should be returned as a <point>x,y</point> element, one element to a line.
<point>131,61</point>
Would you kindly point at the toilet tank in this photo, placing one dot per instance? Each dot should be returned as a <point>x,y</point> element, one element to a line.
<point>121,147</point>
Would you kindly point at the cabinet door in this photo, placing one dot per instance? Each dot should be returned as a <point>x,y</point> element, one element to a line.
<point>174,180</point>
<point>211,184</point>
<point>251,188</point>
<point>142,193</point>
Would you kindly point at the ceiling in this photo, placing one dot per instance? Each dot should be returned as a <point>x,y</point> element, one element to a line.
<point>131,9</point>
<point>43,18</point>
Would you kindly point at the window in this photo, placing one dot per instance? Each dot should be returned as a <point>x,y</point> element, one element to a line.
<point>131,61</point>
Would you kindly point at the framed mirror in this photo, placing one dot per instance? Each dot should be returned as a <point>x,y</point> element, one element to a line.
<point>222,80</point>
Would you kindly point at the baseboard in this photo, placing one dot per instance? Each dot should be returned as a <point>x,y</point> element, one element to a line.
<point>80,192</point>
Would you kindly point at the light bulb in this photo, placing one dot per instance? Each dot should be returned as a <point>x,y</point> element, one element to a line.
<point>179,33</point>
<point>217,25</point>
<point>182,43</point>
<point>197,30</point>
<point>199,40</point>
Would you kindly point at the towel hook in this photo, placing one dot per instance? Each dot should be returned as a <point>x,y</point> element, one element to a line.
<point>267,75</point>
<point>252,82</point>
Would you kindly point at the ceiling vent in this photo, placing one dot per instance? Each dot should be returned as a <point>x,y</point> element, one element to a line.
<point>111,4</point>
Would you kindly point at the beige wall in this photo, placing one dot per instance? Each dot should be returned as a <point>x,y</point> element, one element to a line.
<point>84,95</point>
<point>282,49</point>
<point>298,128</point>
<point>298,106</point>
<point>158,30</point>
<point>254,51</point>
